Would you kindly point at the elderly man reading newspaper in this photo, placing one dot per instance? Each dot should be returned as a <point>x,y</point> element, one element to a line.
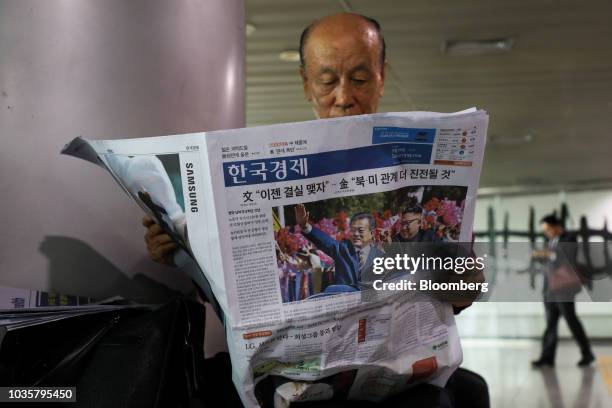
<point>343,71</point>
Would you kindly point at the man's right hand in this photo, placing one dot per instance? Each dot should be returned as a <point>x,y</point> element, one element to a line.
<point>160,245</point>
<point>301,215</point>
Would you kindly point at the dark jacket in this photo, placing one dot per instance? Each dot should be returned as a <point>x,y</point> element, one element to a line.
<point>346,260</point>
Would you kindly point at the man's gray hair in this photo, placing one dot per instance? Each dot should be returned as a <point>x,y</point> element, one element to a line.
<point>364,216</point>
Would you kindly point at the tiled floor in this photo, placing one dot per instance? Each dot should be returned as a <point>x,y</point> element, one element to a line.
<point>505,364</point>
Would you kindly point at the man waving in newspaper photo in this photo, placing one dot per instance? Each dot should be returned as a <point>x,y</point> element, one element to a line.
<point>353,258</point>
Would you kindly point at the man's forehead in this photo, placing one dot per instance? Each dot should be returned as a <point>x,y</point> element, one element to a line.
<point>351,66</point>
<point>346,45</point>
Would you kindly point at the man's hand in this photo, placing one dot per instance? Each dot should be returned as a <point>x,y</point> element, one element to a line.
<point>160,245</point>
<point>301,215</point>
<point>464,299</point>
<point>541,254</point>
<point>474,276</point>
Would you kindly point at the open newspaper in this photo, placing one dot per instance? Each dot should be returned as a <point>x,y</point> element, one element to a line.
<point>284,222</point>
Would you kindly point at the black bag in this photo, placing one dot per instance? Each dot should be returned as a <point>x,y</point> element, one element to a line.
<point>127,358</point>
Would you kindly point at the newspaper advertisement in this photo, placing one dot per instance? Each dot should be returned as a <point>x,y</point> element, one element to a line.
<point>287,223</point>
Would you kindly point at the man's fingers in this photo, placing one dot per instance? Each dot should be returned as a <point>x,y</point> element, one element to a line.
<point>161,239</point>
<point>162,252</point>
<point>156,240</point>
<point>156,229</point>
<point>462,304</point>
<point>153,231</point>
<point>159,244</point>
<point>147,221</point>
<point>300,209</point>
<point>156,237</point>
<point>301,215</point>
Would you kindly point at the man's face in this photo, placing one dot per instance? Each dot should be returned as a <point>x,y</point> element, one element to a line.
<point>361,235</point>
<point>550,231</point>
<point>343,75</point>
<point>411,223</point>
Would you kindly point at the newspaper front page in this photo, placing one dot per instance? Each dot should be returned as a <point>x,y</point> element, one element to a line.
<point>286,221</point>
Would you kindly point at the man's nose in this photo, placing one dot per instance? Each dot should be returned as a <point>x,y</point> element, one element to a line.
<point>344,95</point>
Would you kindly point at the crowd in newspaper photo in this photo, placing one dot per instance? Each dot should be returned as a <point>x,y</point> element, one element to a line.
<point>334,251</point>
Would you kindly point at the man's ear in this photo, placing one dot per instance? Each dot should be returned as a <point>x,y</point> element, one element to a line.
<point>383,74</point>
<point>306,84</point>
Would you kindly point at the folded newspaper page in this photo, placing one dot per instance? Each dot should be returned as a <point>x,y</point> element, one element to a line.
<point>286,222</point>
<point>16,298</point>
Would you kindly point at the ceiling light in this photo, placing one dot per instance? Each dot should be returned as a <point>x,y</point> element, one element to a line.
<point>460,48</point>
<point>250,29</point>
<point>289,56</point>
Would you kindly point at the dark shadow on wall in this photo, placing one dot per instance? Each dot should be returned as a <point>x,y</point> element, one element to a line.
<point>75,268</point>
